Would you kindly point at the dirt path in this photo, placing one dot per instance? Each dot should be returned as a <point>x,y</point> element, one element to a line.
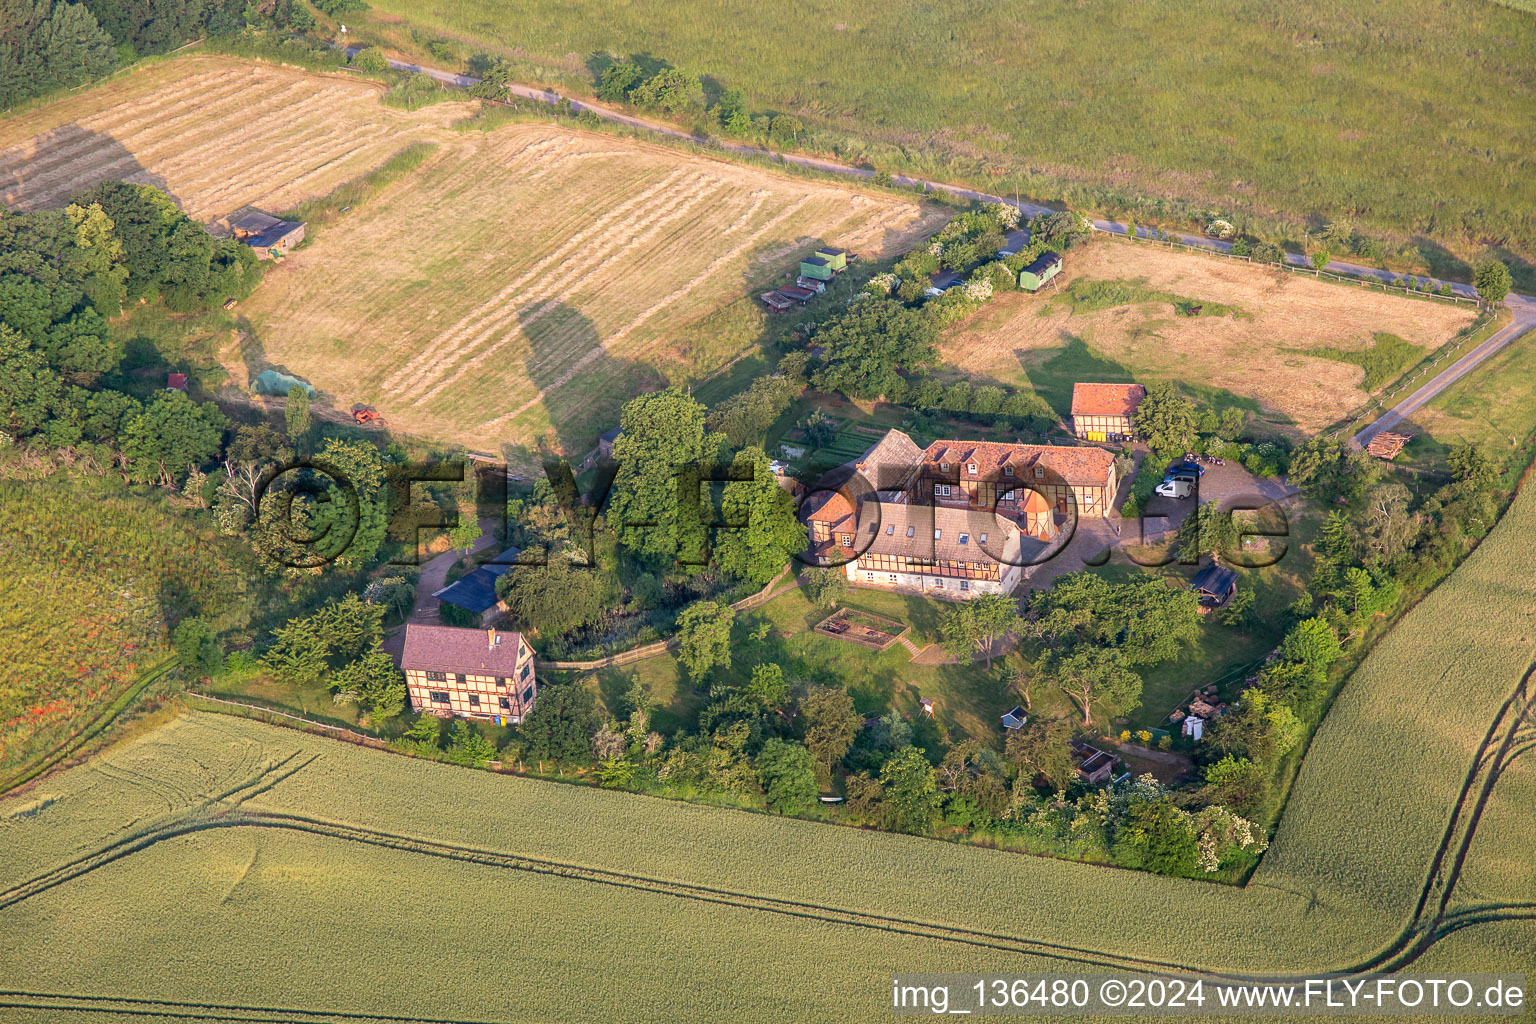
<point>434,573</point>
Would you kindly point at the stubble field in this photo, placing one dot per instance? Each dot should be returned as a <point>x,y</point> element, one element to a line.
<point>214,132</point>
<point>1259,354</point>
<point>520,284</point>
<point>316,869</point>
<point>527,281</point>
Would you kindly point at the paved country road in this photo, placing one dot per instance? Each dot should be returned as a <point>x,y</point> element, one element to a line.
<point>1524,307</point>
<point>1524,310</point>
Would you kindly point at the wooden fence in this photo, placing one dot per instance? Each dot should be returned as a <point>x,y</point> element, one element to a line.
<point>341,731</point>
<point>1377,404</point>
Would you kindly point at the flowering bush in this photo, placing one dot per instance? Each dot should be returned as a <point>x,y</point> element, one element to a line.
<point>1220,229</point>
<point>1007,215</point>
<point>979,288</point>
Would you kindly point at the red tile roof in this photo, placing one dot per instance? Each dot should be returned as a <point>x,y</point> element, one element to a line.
<point>454,649</point>
<point>1079,467</point>
<point>1106,399</point>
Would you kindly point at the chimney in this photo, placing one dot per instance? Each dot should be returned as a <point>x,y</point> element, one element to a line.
<point>490,638</point>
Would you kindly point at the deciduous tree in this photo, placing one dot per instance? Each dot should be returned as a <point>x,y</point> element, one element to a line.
<point>787,774</point>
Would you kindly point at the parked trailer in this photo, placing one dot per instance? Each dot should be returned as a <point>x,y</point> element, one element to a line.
<point>1034,277</point>
<point>775,302</point>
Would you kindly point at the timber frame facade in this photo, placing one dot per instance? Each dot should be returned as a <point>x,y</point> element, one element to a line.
<point>470,673</point>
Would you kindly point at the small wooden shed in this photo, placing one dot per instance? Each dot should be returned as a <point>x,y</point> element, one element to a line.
<point>817,268</point>
<point>837,259</point>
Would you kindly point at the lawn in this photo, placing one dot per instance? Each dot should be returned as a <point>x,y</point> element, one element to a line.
<point>1493,406</point>
<point>1320,112</point>
<point>1296,351</point>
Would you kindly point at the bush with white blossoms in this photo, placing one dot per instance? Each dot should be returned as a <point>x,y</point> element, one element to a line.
<point>936,248</point>
<point>884,284</point>
<point>1221,229</point>
<point>1221,831</point>
<point>979,288</point>
<point>1007,215</point>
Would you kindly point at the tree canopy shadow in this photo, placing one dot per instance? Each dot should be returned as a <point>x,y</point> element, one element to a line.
<point>581,399</point>
<point>86,157</point>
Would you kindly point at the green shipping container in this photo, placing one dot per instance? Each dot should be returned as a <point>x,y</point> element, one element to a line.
<point>816,267</point>
<point>837,259</point>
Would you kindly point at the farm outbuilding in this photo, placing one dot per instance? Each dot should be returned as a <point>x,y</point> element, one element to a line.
<point>476,592</point>
<point>269,237</point>
<point>1035,276</point>
<point>1105,412</point>
<point>1215,585</point>
<point>816,268</point>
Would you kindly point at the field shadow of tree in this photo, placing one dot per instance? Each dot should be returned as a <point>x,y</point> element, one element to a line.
<point>582,386</point>
<point>1054,376</point>
<point>70,148</point>
<point>1078,362</point>
<point>1441,261</point>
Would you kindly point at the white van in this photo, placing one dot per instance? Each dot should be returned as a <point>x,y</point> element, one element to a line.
<point>1175,488</point>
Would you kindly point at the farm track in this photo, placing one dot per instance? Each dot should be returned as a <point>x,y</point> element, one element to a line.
<point>1508,737</point>
<point>53,758</point>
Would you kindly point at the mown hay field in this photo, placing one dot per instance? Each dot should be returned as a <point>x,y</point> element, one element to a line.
<point>214,132</point>
<point>527,281</point>
<point>316,868</point>
<point>1259,354</point>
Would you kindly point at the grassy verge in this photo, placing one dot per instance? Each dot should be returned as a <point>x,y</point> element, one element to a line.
<point>322,210</point>
<point>1488,322</point>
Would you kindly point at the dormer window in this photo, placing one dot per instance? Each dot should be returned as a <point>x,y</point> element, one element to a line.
<point>1039,472</point>
<point>847,540</point>
<point>1008,469</point>
<point>971,469</point>
<point>943,467</point>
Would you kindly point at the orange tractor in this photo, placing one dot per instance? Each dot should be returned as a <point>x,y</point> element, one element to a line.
<point>366,414</point>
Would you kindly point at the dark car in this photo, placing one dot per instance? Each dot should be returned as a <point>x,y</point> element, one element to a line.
<point>1184,471</point>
